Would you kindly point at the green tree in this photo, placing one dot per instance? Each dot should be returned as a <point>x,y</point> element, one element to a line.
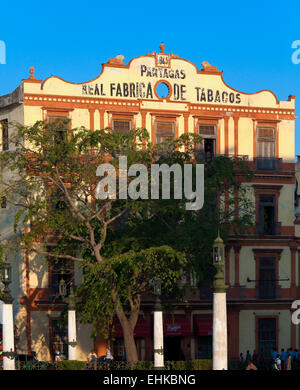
<point>122,245</point>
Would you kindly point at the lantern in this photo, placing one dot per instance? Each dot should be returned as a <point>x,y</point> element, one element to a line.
<point>157,287</point>
<point>218,251</point>
<point>62,288</point>
<point>6,272</point>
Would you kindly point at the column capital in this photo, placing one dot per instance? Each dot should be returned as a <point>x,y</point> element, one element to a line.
<point>293,246</point>
<point>237,249</point>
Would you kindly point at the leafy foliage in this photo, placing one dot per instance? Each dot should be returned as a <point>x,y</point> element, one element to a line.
<point>121,244</point>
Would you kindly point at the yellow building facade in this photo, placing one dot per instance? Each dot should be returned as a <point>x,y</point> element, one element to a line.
<point>169,95</point>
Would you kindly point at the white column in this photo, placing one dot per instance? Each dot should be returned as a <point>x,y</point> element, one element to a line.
<point>72,334</point>
<point>219,331</point>
<point>8,335</point>
<point>158,339</point>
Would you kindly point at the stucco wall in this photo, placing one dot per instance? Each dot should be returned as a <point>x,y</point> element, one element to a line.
<point>247,325</point>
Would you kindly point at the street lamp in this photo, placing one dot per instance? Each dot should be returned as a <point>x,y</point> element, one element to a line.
<point>62,288</point>
<point>8,321</point>
<point>219,308</point>
<point>158,327</point>
<point>6,280</point>
<point>71,302</point>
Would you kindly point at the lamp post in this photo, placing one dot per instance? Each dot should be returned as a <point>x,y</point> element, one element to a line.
<point>8,321</point>
<point>219,308</point>
<point>71,301</point>
<point>158,328</point>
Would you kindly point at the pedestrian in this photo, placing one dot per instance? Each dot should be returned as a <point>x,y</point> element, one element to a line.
<point>248,356</point>
<point>57,357</point>
<point>92,356</point>
<point>288,362</point>
<point>296,358</point>
<point>277,363</point>
<point>292,353</point>
<point>108,358</point>
<point>283,357</point>
<point>274,354</point>
<point>124,355</point>
<point>241,357</point>
<point>255,357</point>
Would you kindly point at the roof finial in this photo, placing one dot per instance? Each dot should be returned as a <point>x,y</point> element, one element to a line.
<point>31,71</point>
<point>162,47</point>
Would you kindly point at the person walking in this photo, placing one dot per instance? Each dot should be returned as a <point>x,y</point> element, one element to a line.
<point>296,358</point>
<point>108,358</point>
<point>241,357</point>
<point>288,362</point>
<point>248,356</point>
<point>274,354</point>
<point>58,356</point>
<point>277,363</point>
<point>283,357</point>
<point>255,357</point>
<point>92,356</point>
<point>92,359</point>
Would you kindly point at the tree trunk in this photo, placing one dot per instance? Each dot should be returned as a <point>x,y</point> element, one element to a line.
<point>129,342</point>
<point>128,325</point>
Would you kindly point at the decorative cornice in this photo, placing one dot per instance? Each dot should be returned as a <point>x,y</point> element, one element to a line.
<point>267,251</point>
<point>267,187</point>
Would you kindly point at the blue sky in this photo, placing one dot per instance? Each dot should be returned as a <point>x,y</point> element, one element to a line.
<point>251,42</point>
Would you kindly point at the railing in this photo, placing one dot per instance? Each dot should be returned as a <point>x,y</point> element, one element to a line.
<point>273,229</point>
<point>206,157</point>
<point>268,163</point>
<point>233,364</point>
<point>54,292</point>
<point>267,290</point>
<point>115,365</point>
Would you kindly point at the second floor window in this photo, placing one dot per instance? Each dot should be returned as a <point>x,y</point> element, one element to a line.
<point>5,142</point>
<point>121,125</point>
<point>164,130</point>
<point>61,126</point>
<point>266,148</point>
<point>207,149</point>
<point>59,269</point>
<point>267,215</point>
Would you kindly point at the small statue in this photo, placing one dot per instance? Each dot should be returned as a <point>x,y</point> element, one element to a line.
<point>207,67</point>
<point>118,60</point>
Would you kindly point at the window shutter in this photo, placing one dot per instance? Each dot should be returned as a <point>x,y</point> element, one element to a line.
<point>206,130</point>
<point>122,126</point>
<point>4,125</point>
<point>266,132</point>
<point>165,127</point>
<point>164,130</point>
<point>266,142</point>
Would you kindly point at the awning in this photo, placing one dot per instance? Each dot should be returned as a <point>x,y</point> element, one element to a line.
<point>178,325</point>
<point>141,329</point>
<point>203,325</point>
